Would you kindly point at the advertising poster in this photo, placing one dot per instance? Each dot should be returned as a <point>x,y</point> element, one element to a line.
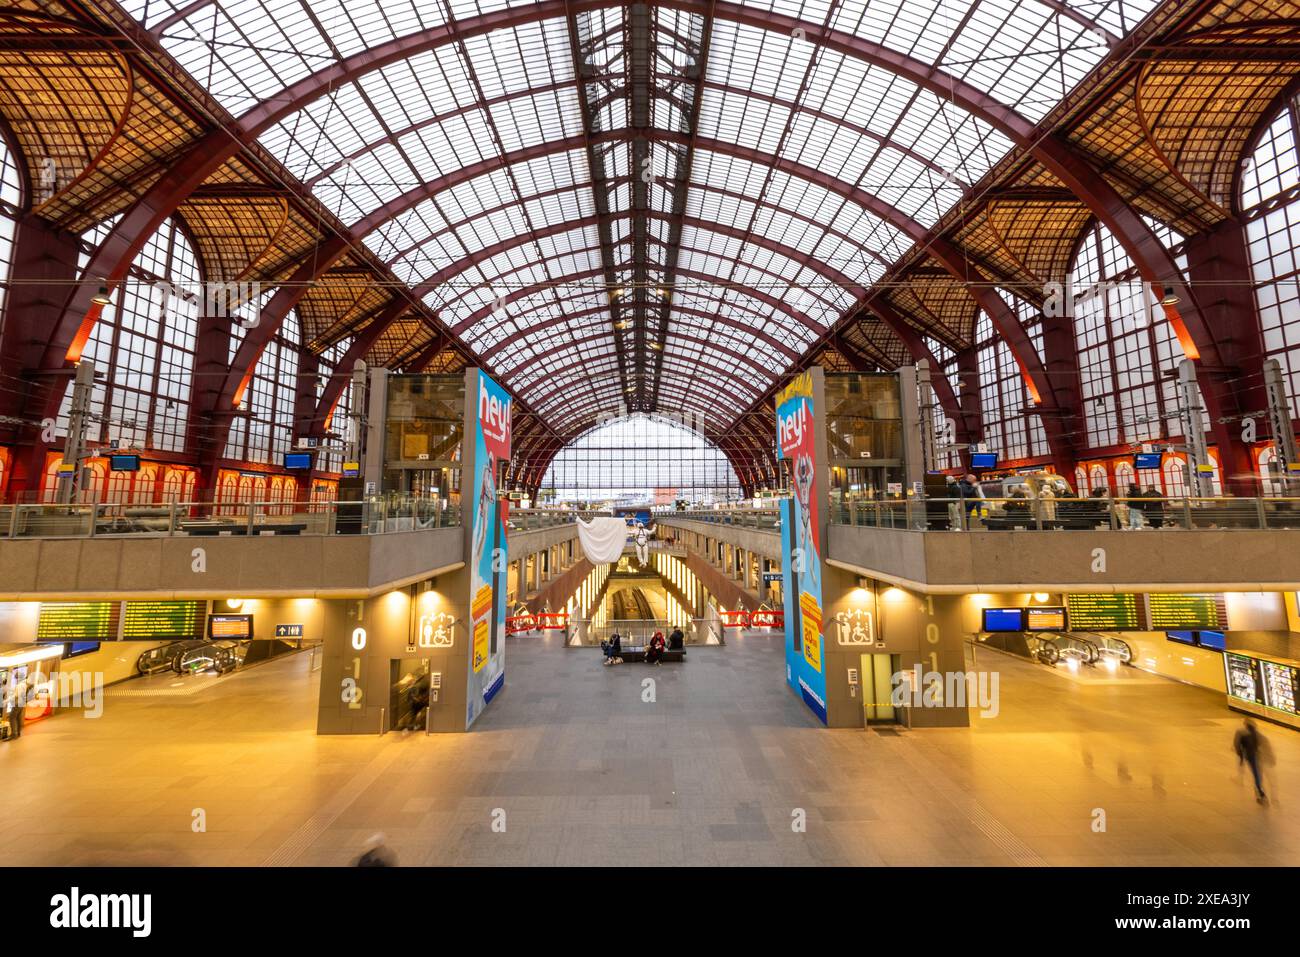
<point>488,562</point>
<point>801,561</point>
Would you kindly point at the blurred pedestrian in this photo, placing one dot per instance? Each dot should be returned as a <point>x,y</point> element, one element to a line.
<point>376,853</point>
<point>1250,746</point>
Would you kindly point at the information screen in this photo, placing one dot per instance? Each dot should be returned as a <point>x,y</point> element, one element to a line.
<point>146,620</point>
<point>230,626</point>
<point>1045,619</point>
<point>1004,619</point>
<point>297,460</point>
<point>1184,637</point>
<point>984,460</point>
<point>75,648</point>
<point>1212,639</point>
<point>1243,678</point>
<point>1103,612</point>
<point>124,463</point>
<point>1279,686</point>
<point>1147,460</point>
<point>77,621</point>
<point>1183,611</point>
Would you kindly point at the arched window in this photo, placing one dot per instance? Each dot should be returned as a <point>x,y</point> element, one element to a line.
<point>340,425</point>
<point>143,346</point>
<point>640,460</point>
<point>1272,241</point>
<point>1124,344</point>
<point>1003,393</point>
<point>264,432</point>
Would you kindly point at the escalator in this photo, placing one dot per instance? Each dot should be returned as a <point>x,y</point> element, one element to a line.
<point>1086,649</point>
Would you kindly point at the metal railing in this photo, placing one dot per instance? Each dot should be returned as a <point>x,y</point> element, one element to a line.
<point>527,519</point>
<point>1071,514</point>
<point>633,633</point>
<point>768,519</point>
<point>1004,514</point>
<point>372,516</point>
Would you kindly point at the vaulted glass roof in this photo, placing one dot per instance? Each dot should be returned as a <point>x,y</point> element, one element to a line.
<point>655,205</point>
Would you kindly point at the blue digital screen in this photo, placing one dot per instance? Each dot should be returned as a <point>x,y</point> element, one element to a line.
<point>1004,619</point>
<point>297,460</point>
<point>1185,637</point>
<point>984,460</point>
<point>1147,460</point>
<point>74,648</point>
<point>1212,639</point>
<point>124,463</point>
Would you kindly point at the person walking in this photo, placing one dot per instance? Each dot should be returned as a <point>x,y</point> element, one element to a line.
<point>1249,743</point>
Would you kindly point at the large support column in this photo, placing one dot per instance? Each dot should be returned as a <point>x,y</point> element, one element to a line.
<point>1061,358</point>
<point>304,411</point>
<point>46,261</point>
<point>1219,269</point>
<point>972,411</point>
<point>211,362</point>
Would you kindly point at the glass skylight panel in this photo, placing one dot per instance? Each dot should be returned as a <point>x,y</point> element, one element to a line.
<point>749,58</point>
<point>562,207</point>
<point>527,56</point>
<point>813,11</point>
<point>244,51</point>
<point>735,118</point>
<point>464,9</point>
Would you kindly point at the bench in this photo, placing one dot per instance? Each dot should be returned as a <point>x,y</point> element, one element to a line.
<point>637,653</point>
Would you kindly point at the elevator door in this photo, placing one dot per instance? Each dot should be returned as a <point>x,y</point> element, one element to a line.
<point>878,672</point>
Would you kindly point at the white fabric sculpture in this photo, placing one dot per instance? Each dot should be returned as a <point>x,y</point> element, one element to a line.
<point>603,539</point>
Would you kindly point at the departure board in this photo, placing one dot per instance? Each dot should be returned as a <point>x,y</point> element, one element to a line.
<point>77,621</point>
<point>1104,612</point>
<point>1045,619</point>
<point>230,626</point>
<point>1184,611</point>
<point>145,620</point>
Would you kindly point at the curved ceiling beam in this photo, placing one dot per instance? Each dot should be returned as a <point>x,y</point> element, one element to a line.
<point>114,256</point>
<point>569,343</point>
<point>753,329</point>
<point>581,364</point>
<point>584,187</point>
<point>393,137</point>
<point>702,292</point>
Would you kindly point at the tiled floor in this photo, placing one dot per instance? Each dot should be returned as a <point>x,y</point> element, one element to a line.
<point>714,770</point>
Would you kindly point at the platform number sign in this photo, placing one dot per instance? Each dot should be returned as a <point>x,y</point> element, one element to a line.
<point>352,693</point>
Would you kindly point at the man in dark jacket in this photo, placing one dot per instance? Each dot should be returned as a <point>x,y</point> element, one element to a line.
<point>1247,743</point>
<point>675,640</point>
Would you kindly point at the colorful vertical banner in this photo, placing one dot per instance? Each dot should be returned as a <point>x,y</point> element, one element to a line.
<point>489,561</point>
<point>801,561</point>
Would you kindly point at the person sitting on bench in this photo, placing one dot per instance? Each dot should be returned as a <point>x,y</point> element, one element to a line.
<point>675,640</point>
<point>613,649</point>
<point>654,650</point>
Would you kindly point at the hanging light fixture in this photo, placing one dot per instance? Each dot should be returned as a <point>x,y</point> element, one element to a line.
<point>102,297</point>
